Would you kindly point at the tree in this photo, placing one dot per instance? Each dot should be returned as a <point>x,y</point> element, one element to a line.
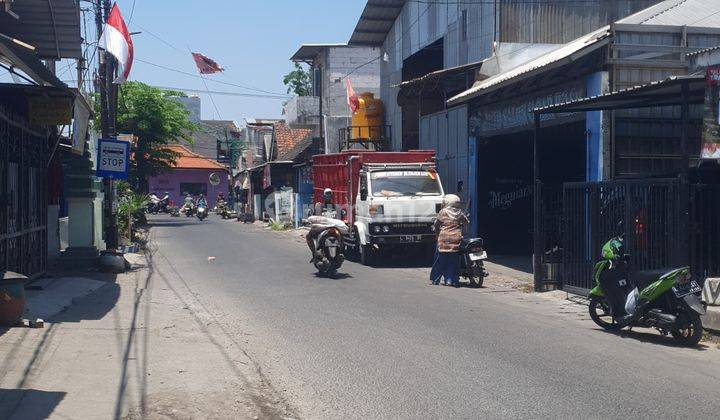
<point>157,120</point>
<point>298,81</point>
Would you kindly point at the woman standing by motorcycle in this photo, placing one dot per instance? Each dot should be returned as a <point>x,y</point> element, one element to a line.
<point>449,224</point>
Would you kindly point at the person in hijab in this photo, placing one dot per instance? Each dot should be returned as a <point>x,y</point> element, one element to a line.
<point>448,224</point>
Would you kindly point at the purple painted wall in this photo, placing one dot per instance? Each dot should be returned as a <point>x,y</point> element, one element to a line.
<point>171,181</point>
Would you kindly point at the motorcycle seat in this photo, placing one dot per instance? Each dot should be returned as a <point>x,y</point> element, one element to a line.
<point>644,278</point>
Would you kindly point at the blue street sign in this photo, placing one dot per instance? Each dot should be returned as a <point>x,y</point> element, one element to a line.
<point>113,159</point>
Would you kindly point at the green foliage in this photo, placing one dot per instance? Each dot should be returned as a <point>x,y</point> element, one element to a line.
<point>299,81</point>
<point>277,225</point>
<point>157,120</point>
<point>131,209</point>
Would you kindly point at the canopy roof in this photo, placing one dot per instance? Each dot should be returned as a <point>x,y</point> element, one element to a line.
<point>662,93</point>
<point>375,22</point>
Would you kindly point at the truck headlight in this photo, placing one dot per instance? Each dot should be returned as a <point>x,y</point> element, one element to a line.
<point>376,229</point>
<point>386,229</point>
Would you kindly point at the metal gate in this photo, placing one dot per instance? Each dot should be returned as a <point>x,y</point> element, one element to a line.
<point>23,199</point>
<point>650,213</point>
<point>705,230</point>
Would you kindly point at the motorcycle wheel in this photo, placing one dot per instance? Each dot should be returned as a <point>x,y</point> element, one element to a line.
<point>693,331</point>
<point>601,313</point>
<point>476,274</point>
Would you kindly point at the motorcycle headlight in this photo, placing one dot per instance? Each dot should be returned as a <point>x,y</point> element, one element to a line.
<point>377,229</point>
<point>386,229</point>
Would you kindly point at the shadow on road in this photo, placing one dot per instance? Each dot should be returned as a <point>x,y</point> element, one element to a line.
<point>653,338</point>
<point>32,403</point>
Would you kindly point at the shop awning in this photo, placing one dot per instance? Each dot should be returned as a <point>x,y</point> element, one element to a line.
<point>15,54</point>
<point>563,55</point>
<point>440,74</point>
<point>661,93</point>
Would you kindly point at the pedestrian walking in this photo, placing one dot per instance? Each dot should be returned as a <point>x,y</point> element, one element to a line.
<point>449,224</point>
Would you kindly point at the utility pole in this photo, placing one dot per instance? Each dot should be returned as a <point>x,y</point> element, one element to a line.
<point>107,118</point>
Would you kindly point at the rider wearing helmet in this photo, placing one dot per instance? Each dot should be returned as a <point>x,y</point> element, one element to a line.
<point>326,208</point>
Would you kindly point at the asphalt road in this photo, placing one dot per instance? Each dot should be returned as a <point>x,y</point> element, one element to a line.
<point>381,343</point>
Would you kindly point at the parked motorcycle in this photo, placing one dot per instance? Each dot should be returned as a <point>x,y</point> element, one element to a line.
<point>201,212</point>
<point>666,299</point>
<point>328,244</point>
<point>472,255</point>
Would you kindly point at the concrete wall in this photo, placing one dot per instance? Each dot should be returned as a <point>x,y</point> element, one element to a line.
<point>302,110</point>
<point>171,181</point>
<point>336,63</point>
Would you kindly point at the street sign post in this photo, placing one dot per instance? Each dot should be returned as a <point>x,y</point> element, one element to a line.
<point>113,157</point>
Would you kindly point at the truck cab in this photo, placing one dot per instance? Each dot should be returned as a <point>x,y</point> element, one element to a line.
<point>396,206</point>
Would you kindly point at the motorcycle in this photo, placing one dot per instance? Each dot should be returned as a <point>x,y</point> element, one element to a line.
<point>189,210</point>
<point>222,210</point>
<point>472,255</point>
<point>666,299</point>
<point>201,212</point>
<point>173,211</point>
<point>328,244</point>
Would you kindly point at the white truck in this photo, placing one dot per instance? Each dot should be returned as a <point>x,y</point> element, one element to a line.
<point>389,199</point>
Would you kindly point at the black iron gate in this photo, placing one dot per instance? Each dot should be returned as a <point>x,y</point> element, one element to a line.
<point>650,213</point>
<point>23,199</point>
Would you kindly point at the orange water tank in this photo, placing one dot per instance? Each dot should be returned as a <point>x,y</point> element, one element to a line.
<point>367,120</point>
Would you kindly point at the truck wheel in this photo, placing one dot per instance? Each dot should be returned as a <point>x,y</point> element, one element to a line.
<point>365,254</point>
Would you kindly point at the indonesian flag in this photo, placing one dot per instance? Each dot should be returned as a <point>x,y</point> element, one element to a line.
<point>352,99</point>
<point>206,65</point>
<point>116,40</point>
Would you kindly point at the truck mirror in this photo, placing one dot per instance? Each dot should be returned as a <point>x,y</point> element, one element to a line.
<point>363,194</point>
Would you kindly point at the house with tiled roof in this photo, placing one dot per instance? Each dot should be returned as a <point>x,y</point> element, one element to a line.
<point>290,148</point>
<point>191,173</point>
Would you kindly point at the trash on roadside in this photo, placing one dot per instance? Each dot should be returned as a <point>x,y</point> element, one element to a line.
<point>38,323</point>
<point>211,258</point>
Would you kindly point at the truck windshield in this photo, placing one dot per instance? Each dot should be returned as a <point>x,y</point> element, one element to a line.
<point>404,183</point>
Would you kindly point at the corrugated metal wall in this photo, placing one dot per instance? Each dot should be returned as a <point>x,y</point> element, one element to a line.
<point>553,22</point>
<point>647,141</point>
<point>447,133</point>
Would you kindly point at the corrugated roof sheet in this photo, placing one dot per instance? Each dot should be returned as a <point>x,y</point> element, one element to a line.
<point>698,13</point>
<point>52,27</point>
<point>704,51</point>
<point>308,52</point>
<point>375,22</point>
<point>567,52</point>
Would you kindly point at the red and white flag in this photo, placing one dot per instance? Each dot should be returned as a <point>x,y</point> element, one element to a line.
<point>116,40</point>
<point>352,99</point>
<point>206,65</point>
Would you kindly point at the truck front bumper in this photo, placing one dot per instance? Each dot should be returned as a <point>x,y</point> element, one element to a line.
<point>402,239</point>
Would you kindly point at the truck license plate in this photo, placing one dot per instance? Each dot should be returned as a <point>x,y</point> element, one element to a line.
<point>410,238</point>
<point>478,256</point>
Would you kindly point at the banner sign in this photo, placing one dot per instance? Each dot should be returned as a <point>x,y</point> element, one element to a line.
<point>713,76</point>
<point>49,111</point>
<point>113,157</point>
<point>710,148</point>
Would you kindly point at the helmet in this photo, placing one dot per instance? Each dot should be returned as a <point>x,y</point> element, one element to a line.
<point>327,191</point>
<point>451,200</point>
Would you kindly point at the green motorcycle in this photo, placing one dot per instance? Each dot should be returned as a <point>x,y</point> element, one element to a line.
<point>667,299</point>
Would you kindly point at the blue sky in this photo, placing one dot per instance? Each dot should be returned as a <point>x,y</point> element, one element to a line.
<point>251,39</point>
